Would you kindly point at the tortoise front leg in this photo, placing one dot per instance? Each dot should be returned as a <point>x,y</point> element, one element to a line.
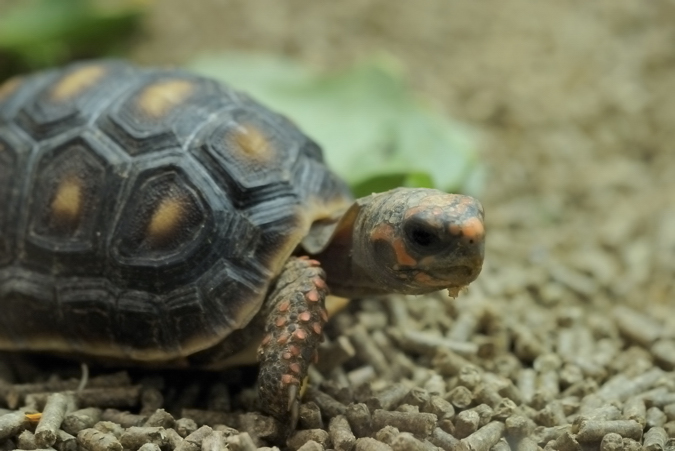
<point>295,316</point>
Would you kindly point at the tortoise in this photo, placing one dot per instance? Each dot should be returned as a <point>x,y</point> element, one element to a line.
<point>150,215</point>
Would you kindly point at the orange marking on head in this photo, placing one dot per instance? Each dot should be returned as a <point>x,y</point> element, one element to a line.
<point>299,334</point>
<point>473,229</point>
<point>295,367</point>
<point>66,207</point>
<point>324,315</point>
<point>294,350</point>
<point>160,98</point>
<point>280,322</point>
<point>312,296</point>
<point>286,356</point>
<point>305,316</point>
<point>402,256</point>
<point>316,327</point>
<point>284,306</point>
<point>266,340</point>
<point>166,219</point>
<point>9,87</point>
<point>282,339</point>
<point>287,379</point>
<point>76,82</point>
<point>424,278</point>
<point>385,232</point>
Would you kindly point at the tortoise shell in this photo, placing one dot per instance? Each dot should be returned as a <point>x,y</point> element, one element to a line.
<point>145,212</point>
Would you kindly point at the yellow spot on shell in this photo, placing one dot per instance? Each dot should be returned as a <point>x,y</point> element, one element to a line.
<point>166,219</point>
<point>76,82</point>
<point>251,143</point>
<point>159,99</point>
<point>9,87</point>
<point>67,203</point>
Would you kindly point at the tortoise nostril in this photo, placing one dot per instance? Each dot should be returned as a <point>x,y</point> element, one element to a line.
<point>472,230</point>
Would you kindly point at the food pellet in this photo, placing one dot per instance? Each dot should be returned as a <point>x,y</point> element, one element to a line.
<point>340,432</point>
<point>52,417</point>
<point>420,424</point>
<point>95,440</point>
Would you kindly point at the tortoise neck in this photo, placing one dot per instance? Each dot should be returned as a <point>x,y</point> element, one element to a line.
<point>344,275</point>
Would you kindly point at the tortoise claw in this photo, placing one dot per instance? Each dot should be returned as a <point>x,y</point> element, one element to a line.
<point>294,408</point>
<point>292,396</point>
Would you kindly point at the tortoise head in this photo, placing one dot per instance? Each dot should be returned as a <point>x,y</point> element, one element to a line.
<point>415,241</point>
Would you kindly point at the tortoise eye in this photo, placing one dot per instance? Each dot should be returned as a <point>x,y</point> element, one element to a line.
<point>422,236</point>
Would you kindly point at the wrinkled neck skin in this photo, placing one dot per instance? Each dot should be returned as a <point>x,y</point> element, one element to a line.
<point>346,269</point>
<point>352,268</point>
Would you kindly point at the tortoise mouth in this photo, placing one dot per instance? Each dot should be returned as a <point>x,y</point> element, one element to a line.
<point>441,277</point>
<point>455,275</point>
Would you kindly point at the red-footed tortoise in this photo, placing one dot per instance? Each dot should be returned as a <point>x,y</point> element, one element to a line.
<point>151,215</point>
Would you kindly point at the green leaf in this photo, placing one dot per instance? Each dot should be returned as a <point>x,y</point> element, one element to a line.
<point>44,32</point>
<point>374,131</point>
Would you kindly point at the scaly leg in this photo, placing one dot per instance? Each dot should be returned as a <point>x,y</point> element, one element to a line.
<point>295,316</point>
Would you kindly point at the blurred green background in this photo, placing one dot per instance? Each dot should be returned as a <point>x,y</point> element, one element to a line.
<point>375,130</point>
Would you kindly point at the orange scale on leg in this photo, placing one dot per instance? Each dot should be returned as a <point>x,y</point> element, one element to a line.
<point>288,379</point>
<point>299,335</point>
<point>319,283</point>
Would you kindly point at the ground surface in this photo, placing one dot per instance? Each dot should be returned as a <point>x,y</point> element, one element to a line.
<point>575,307</point>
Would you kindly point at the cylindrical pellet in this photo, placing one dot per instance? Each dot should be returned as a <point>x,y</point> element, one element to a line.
<point>359,419</point>
<point>341,434</point>
<point>11,424</point>
<point>94,440</point>
<point>655,439</point>
<point>135,436</point>
<point>52,417</point>
<point>193,442</point>
<point>594,431</point>
<point>420,424</point>
<point>75,421</point>
<point>611,442</point>
<point>388,398</point>
<point>484,438</point>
